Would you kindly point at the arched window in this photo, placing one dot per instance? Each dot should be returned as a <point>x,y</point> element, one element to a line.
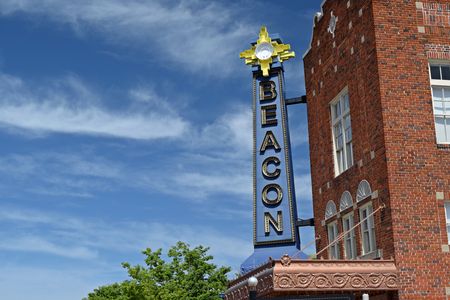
<point>364,191</point>
<point>346,201</point>
<point>330,210</point>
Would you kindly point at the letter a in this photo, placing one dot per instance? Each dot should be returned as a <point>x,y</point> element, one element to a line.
<point>269,142</point>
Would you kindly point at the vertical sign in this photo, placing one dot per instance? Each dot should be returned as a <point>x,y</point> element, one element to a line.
<point>273,188</point>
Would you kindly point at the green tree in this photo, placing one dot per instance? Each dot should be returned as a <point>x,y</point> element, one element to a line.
<point>188,274</point>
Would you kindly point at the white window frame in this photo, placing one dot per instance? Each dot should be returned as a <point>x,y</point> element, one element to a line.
<point>439,83</point>
<point>343,156</point>
<point>364,190</point>
<point>330,210</point>
<point>447,219</point>
<point>349,238</point>
<point>333,232</point>
<point>367,229</point>
<point>346,201</point>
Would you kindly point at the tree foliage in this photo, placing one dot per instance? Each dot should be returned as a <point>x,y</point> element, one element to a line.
<point>187,274</point>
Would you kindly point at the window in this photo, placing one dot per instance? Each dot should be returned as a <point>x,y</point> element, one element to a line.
<point>447,218</point>
<point>342,132</point>
<point>346,201</point>
<point>347,224</point>
<point>367,229</point>
<point>440,90</point>
<point>349,239</point>
<point>332,235</point>
<point>330,210</point>
<point>363,191</point>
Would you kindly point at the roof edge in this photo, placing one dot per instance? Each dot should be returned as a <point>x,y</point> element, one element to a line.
<point>319,16</point>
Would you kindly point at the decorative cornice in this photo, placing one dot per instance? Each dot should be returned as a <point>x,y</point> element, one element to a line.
<point>308,276</point>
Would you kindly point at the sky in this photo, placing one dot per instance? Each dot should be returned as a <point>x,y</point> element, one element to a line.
<point>126,125</point>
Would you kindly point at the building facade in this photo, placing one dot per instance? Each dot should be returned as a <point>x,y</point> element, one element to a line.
<point>377,79</point>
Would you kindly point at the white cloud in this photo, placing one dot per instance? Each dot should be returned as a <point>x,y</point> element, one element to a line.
<point>230,134</point>
<point>60,174</point>
<point>202,184</point>
<point>216,157</point>
<point>40,244</point>
<point>19,282</point>
<point>66,236</point>
<point>95,121</point>
<point>70,106</point>
<point>199,36</point>
<point>303,186</point>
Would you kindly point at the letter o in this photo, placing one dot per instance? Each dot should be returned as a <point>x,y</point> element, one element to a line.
<point>267,189</point>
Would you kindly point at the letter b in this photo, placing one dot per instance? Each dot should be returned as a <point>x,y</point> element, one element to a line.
<point>267,90</point>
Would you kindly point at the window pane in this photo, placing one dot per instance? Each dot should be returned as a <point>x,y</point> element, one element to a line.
<point>448,234</point>
<point>437,93</point>
<point>349,249</point>
<point>447,216</point>
<point>349,155</point>
<point>346,102</point>
<point>338,129</point>
<point>438,107</point>
<point>440,129</point>
<point>337,109</point>
<point>447,94</point>
<point>347,122</point>
<point>332,234</point>
<point>346,224</point>
<point>447,129</point>
<point>372,240</point>
<point>354,245</point>
<point>435,73</point>
<point>447,211</point>
<point>338,136</point>
<point>339,161</point>
<point>348,134</point>
<point>445,72</point>
<point>364,225</point>
<point>366,241</point>
<point>350,244</point>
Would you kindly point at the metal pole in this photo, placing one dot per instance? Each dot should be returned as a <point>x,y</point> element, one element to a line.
<point>252,295</point>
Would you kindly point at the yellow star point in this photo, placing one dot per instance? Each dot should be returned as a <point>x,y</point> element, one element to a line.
<point>280,51</point>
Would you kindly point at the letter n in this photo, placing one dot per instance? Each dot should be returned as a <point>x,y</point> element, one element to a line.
<point>270,221</point>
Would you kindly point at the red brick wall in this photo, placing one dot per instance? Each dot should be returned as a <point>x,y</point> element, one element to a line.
<point>391,111</point>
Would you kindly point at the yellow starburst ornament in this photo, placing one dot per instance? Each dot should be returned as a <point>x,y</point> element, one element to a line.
<point>264,51</point>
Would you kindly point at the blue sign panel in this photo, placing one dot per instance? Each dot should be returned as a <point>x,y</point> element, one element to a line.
<point>274,212</point>
<point>273,187</point>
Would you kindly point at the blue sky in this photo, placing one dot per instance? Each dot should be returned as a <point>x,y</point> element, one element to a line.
<point>126,125</point>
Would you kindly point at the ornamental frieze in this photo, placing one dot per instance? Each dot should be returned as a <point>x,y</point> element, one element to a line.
<point>344,281</point>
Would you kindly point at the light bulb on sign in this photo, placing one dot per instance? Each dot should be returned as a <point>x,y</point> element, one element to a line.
<point>264,51</point>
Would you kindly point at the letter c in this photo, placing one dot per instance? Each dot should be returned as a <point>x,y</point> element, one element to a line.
<point>271,160</point>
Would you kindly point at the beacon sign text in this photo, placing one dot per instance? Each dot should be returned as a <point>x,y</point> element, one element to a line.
<point>273,187</point>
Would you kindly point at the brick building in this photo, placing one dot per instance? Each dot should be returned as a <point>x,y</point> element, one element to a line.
<point>377,76</point>
<point>378,87</point>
